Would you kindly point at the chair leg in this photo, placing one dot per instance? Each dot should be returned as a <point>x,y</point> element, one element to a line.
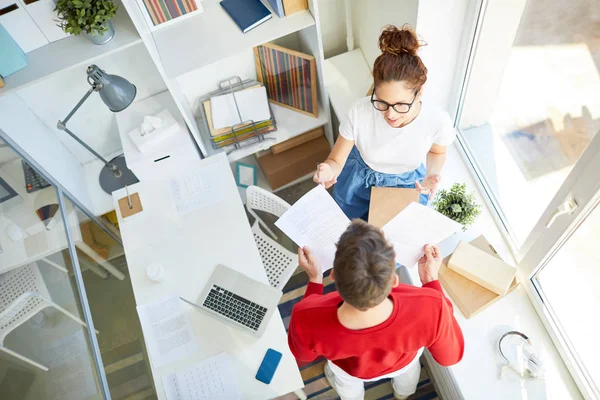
<point>55,265</point>
<point>23,358</point>
<point>300,394</point>
<point>68,314</point>
<point>105,264</point>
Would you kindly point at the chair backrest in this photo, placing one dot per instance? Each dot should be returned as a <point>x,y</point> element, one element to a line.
<point>17,301</point>
<point>263,200</point>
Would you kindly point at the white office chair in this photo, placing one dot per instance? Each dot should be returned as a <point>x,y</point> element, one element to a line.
<point>23,293</point>
<point>279,262</point>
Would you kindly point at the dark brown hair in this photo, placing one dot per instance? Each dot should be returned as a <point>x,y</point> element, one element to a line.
<point>399,60</point>
<point>364,266</point>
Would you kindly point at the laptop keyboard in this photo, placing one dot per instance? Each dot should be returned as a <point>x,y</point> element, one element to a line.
<point>235,307</point>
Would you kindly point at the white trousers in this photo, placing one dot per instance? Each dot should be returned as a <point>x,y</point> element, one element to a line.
<point>404,381</point>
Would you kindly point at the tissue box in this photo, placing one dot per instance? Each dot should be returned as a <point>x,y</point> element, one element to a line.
<point>12,57</point>
<point>148,141</point>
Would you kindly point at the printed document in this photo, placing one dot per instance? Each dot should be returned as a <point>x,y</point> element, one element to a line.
<point>413,228</point>
<point>315,221</point>
<point>197,190</point>
<point>208,380</point>
<point>167,330</point>
<point>252,103</point>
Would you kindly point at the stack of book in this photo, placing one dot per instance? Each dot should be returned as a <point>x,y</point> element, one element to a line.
<point>229,135</point>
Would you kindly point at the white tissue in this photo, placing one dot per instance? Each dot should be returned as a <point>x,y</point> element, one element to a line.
<point>151,124</point>
<point>153,130</point>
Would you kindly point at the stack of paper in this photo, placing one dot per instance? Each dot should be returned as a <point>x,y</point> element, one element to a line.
<point>222,115</point>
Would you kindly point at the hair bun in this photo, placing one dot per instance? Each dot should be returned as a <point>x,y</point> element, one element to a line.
<point>397,41</point>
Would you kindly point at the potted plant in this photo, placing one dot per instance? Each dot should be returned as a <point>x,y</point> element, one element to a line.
<point>89,16</point>
<point>457,204</point>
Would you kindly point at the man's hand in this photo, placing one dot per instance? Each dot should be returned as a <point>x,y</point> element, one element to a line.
<point>325,175</point>
<point>309,263</point>
<point>429,185</point>
<point>429,264</point>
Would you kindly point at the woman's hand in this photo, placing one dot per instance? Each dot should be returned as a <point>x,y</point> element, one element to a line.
<point>325,175</point>
<point>429,185</point>
<point>309,263</point>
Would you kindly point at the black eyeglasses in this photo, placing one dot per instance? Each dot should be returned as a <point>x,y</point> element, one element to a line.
<point>401,108</point>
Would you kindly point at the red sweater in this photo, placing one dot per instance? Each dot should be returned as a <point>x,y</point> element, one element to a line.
<point>422,317</point>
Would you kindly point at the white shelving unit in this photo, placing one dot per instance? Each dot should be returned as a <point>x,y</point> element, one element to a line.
<point>212,36</point>
<point>203,46</point>
<point>71,52</point>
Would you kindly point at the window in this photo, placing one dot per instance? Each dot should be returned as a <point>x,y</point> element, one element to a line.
<point>532,103</point>
<point>529,114</point>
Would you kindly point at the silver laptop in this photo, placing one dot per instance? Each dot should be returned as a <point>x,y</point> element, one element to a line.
<point>234,298</point>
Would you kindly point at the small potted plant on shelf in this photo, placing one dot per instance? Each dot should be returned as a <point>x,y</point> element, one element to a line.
<point>457,204</point>
<point>92,17</point>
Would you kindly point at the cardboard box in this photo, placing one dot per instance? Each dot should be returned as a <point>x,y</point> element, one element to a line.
<point>297,141</point>
<point>283,168</point>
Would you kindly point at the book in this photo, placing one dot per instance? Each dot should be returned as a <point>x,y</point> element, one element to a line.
<point>277,7</point>
<point>482,268</point>
<point>247,14</point>
<point>469,297</point>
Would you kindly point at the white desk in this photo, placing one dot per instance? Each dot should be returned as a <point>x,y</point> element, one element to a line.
<point>189,246</point>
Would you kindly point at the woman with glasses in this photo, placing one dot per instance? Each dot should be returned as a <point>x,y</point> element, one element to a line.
<point>386,137</point>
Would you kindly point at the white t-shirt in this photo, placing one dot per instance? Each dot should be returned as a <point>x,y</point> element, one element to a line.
<point>395,150</point>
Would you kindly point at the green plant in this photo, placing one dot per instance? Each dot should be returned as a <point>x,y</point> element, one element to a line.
<point>457,204</point>
<point>89,16</point>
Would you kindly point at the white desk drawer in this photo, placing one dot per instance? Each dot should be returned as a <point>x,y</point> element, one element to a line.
<point>43,14</point>
<point>20,26</point>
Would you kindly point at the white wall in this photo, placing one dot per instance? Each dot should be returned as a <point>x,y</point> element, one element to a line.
<point>442,25</point>
<point>370,16</point>
<point>29,133</point>
<point>333,27</point>
<point>52,99</point>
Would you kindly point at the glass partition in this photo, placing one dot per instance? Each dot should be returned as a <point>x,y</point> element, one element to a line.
<point>45,351</point>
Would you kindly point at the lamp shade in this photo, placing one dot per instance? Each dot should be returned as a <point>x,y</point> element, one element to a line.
<point>116,92</point>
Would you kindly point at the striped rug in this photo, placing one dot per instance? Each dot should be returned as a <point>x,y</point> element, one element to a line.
<point>316,386</point>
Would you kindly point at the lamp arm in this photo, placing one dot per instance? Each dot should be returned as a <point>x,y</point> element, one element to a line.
<point>62,125</point>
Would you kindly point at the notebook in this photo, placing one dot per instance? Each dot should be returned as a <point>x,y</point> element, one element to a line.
<point>247,14</point>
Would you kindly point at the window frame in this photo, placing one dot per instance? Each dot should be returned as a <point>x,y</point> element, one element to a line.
<point>536,250</point>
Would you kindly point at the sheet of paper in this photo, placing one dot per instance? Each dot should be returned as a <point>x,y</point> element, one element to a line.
<point>207,380</point>
<point>413,228</point>
<point>167,330</point>
<point>197,190</point>
<point>315,221</point>
<point>252,103</point>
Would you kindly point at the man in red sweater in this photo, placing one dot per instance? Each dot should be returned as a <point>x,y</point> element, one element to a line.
<point>373,327</point>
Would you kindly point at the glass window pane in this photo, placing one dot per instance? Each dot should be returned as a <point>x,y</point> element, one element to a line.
<point>532,104</point>
<point>572,293</point>
<point>41,323</point>
<point>112,304</point>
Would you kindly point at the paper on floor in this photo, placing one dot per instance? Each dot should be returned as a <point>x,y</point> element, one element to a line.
<point>252,103</point>
<point>315,221</point>
<point>413,228</point>
<point>168,332</point>
<point>208,380</point>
